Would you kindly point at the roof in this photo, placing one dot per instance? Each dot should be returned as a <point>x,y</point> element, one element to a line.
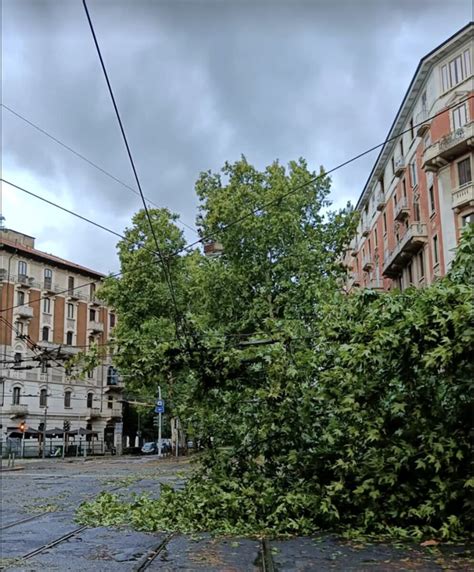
<point>48,258</point>
<point>411,95</point>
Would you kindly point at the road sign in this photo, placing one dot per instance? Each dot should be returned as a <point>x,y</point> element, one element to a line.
<point>160,406</point>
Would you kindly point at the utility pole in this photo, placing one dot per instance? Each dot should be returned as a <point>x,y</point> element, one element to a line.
<point>159,424</point>
<point>44,370</point>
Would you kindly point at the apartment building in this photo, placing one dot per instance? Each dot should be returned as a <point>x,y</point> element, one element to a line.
<point>420,193</point>
<point>47,303</point>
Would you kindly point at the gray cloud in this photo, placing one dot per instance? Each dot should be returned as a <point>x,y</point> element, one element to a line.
<point>198,83</point>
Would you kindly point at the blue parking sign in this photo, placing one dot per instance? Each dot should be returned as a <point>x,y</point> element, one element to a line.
<point>160,406</point>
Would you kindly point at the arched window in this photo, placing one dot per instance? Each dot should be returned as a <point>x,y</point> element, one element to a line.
<point>16,396</point>
<point>48,278</point>
<point>22,270</point>
<point>45,334</point>
<point>43,397</point>
<point>69,337</point>
<point>67,398</point>
<point>90,399</point>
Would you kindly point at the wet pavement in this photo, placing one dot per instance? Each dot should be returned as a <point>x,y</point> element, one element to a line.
<point>38,532</point>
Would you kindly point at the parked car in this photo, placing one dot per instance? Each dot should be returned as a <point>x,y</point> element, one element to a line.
<point>150,448</point>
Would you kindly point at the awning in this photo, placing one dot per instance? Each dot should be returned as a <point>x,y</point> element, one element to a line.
<point>82,431</point>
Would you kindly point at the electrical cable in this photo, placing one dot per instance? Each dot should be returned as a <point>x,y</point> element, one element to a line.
<point>89,161</point>
<point>164,263</point>
<point>251,213</point>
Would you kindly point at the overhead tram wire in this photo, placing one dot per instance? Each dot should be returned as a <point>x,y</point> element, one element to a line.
<point>86,159</point>
<point>178,318</point>
<point>243,217</point>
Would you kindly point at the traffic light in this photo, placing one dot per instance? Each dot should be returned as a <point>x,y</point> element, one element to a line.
<point>66,426</point>
<point>22,427</point>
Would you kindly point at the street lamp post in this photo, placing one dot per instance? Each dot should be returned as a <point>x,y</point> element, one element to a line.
<point>159,424</point>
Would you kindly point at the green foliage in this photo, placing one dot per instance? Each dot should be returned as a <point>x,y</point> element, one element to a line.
<point>355,413</point>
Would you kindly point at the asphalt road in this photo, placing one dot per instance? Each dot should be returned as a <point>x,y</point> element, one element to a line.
<point>38,532</point>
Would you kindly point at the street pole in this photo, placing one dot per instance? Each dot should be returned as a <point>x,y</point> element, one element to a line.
<point>159,425</point>
<point>44,369</point>
<point>177,436</point>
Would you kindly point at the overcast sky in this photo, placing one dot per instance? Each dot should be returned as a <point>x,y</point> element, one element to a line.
<point>197,82</point>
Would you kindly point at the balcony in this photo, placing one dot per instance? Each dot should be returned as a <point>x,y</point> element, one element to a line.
<point>95,327</point>
<point>213,248</point>
<point>411,242</point>
<point>24,312</point>
<point>365,229</point>
<point>401,210</point>
<point>367,263</point>
<point>399,166</point>
<point>422,123</point>
<point>92,413</point>
<point>114,412</point>
<point>376,284</point>
<point>94,302</point>
<point>380,201</point>
<point>25,281</point>
<point>463,197</point>
<point>19,410</point>
<point>353,280</point>
<point>448,148</point>
<point>118,386</point>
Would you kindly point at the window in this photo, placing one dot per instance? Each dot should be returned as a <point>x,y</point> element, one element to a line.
<point>410,273</point>
<point>376,239</point>
<point>111,375</point>
<point>427,140</point>
<point>467,219</point>
<point>69,338</point>
<point>16,396</point>
<point>459,117</point>
<point>393,165</point>
<point>431,198</point>
<point>464,171</point>
<point>19,328</point>
<point>90,374</point>
<point>92,291</point>
<point>47,305</point>
<point>395,201</point>
<point>421,265</point>
<point>404,186</point>
<point>70,284</point>
<point>401,147</point>
<point>412,129</point>
<point>43,397</point>
<point>70,311</point>
<point>369,247</point>
<point>22,269</point>
<point>92,315</point>
<point>45,334</point>
<point>413,174</point>
<point>110,402</point>
<point>456,71</point>
<point>435,250</point>
<point>67,399</point>
<point>112,320</point>
<point>17,358</point>
<point>416,210</point>
<point>384,223</point>
<point>48,278</point>
<point>20,297</point>
<point>90,399</point>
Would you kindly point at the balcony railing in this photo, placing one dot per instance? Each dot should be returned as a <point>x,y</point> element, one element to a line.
<point>367,263</point>
<point>114,412</point>
<point>411,242</point>
<point>399,166</point>
<point>24,312</point>
<point>449,147</point>
<point>95,327</point>
<point>18,410</point>
<point>92,413</point>
<point>376,284</point>
<point>402,210</point>
<point>380,201</point>
<point>422,122</point>
<point>463,196</point>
